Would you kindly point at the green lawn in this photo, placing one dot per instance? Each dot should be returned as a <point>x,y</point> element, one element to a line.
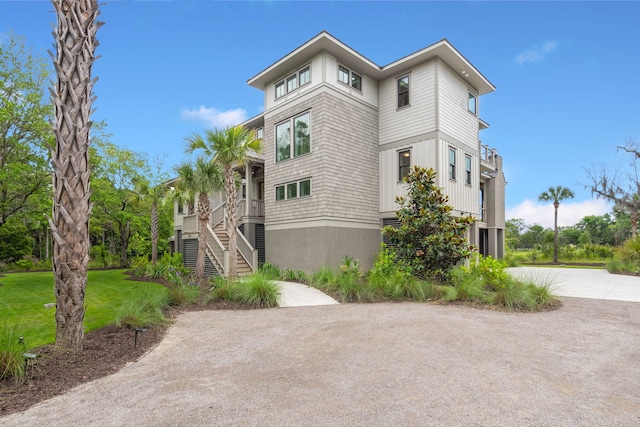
<point>23,296</point>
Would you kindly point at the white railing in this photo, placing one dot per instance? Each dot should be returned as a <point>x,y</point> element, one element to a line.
<point>257,207</point>
<point>220,254</point>
<point>189,224</point>
<point>217,215</point>
<point>488,154</point>
<point>246,250</point>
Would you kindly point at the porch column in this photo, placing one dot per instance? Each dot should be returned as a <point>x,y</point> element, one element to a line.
<point>249,184</point>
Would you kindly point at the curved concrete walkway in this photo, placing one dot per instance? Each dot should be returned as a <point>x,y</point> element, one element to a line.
<point>583,283</point>
<point>299,295</point>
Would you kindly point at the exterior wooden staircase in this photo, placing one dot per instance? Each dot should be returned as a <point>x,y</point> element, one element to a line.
<point>243,266</point>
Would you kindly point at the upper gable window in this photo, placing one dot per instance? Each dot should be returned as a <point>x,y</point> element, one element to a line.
<point>293,82</point>
<point>467,170</point>
<point>452,163</point>
<point>259,133</point>
<point>473,103</point>
<point>403,91</point>
<point>349,78</point>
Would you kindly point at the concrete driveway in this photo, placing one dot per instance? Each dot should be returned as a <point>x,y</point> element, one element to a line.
<point>584,283</point>
<point>392,364</point>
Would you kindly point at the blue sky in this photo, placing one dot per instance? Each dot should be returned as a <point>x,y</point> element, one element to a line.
<point>566,73</point>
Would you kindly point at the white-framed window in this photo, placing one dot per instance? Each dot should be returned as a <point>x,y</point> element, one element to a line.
<point>473,103</point>
<point>259,133</point>
<point>467,169</point>
<point>280,89</point>
<point>293,190</point>
<point>297,130</point>
<point>293,81</point>
<point>404,164</point>
<point>452,163</point>
<point>403,91</point>
<point>349,78</point>
<point>304,76</point>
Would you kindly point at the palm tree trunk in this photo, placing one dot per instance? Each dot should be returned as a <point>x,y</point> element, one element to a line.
<point>555,234</point>
<point>203,218</point>
<point>76,43</point>
<point>154,233</point>
<point>230,192</point>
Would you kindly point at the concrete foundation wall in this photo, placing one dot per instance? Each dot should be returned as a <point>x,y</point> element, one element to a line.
<point>310,248</point>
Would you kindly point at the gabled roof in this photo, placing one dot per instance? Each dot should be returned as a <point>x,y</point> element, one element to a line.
<point>351,58</point>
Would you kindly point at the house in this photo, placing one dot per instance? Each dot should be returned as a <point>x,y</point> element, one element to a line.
<point>339,133</point>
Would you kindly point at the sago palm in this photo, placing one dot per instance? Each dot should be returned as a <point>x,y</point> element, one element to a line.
<point>556,195</point>
<point>75,38</point>
<point>199,179</point>
<point>230,147</point>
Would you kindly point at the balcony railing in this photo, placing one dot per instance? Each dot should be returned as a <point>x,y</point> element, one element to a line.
<point>488,154</point>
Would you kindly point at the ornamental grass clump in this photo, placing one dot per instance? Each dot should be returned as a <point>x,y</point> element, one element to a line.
<point>255,290</point>
<point>12,350</point>
<point>143,310</point>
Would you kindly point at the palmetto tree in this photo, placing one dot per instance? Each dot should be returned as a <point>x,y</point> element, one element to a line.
<point>200,179</point>
<point>556,195</point>
<point>75,38</point>
<point>228,147</point>
<point>154,193</point>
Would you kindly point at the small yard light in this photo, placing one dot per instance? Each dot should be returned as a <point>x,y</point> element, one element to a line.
<point>135,339</point>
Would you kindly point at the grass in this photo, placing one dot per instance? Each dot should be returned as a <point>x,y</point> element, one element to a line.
<point>12,360</point>
<point>145,308</point>
<point>255,290</point>
<point>23,296</point>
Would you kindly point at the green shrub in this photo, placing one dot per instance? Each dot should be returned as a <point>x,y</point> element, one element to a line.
<point>144,309</point>
<point>351,288</point>
<point>255,290</point>
<point>492,272</point>
<point>294,275</point>
<point>183,294</point>
<point>12,349</point>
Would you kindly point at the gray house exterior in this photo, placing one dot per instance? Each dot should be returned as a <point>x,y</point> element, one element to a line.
<point>339,133</point>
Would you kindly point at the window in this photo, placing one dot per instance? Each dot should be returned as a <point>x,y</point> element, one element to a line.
<point>467,170</point>
<point>293,82</point>
<point>355,81</point>
<point>180,209</point>
<point>343,75</point>
<point>300,126</point>
<point>452,163</point>
<point>280,89</point>
<point>259,133</point>
<point>283,141</point>
<point>472,103</point>
<point>305,188</point>
<point>403,91</point>
<point>404,164</point>
<point>304,76</point>
<point>293,190</point>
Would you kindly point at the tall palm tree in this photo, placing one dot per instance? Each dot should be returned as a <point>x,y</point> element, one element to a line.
<point>75,38</point>
<point>230,147</point>
<point>556,195</point>
<point>154,193</point>
<point>200,178</point>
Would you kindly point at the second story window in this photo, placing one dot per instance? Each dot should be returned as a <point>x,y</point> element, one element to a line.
<point>467,170</point>
<point>473,103</point>
<point>452,163</point>
<point>296,129</point>
<point>349,78</point>
<point>259,133</point>
<point>404,163</point>
<point>292,83</point>
<point>305,76</point>
<point>403,91</point>
<point>280,89</point>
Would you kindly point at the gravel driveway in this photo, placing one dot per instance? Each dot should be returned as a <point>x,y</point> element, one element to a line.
<point>374,365</point>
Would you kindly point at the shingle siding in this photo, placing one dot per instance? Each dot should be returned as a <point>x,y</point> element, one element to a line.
<point>341,164</point>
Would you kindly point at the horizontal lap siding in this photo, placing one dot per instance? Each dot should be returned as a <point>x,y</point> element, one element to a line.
<point>454,118</point>
<point>416,119</point>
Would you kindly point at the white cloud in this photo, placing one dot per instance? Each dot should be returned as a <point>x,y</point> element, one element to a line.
<point>211,117</point>
<point>569,213</point>
<point>536,53</point>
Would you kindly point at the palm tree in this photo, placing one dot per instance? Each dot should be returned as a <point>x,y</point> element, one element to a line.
<point>155,193</point>
<point>556,195</point>
<point>75,38</point>
<point>228,147</point>
<point>200,178</point>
